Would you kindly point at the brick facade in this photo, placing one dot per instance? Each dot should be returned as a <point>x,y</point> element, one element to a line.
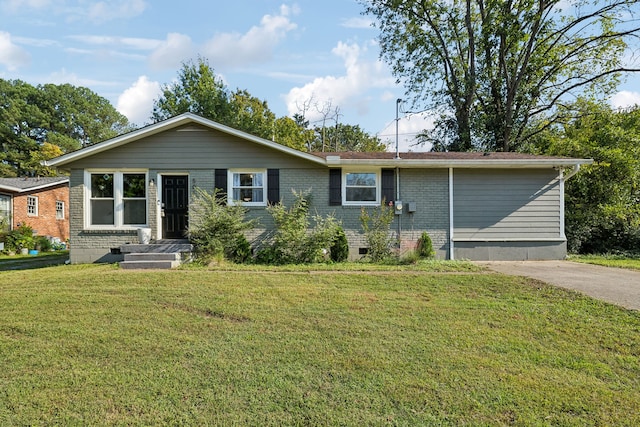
<point>44,222</point>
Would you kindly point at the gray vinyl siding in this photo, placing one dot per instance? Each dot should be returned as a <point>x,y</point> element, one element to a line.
<point>188,148</point>
<point>510,204</point>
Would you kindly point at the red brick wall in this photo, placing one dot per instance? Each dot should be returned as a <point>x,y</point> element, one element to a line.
<point>45,223</point>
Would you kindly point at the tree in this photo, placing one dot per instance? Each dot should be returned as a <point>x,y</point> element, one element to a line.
<point>493,67</point>
<point>345,137</point>
<point>38,122</point>
<point>198,90</point>
<point>251,115</point>
<point>292,134</point>
<point>603,200</point>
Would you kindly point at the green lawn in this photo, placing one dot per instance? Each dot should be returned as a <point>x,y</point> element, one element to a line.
<point>618,261</point>
<point>95,345</point>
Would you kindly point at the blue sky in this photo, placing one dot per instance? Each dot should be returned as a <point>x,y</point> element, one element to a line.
<point>319,53</point>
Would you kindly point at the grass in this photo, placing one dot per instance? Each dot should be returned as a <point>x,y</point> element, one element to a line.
<point>618,261</point>
<point>4,257</point>
<point>95,345</point>
<point>424,265</point>
<point>43,259</point>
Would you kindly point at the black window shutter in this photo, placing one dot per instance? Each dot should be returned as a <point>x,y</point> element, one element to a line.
<point>221,184</point>
<point>388,186</point>
<point>273,186</point>
<point>335,187</point>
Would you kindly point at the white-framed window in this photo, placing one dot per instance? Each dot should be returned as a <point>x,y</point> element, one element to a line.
<point>5,212</point>
<point>59,209</point>
<point>248,187</point>
<point>361,187</point>
<point>32,206</point>
<point>116,199</point>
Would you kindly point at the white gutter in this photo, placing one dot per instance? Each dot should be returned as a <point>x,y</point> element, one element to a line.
<point>451,248</point>
<point>459,163</point>
<point>576,169</point>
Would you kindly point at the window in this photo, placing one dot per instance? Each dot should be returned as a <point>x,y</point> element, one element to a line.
<point>134,198</point>
<point>102,199</point>
<point>248,187</point>
<point>117,199</point>
<point>5,212</point>
<point>361,188</point>
<point>32,206</point>
<point>59,209</point>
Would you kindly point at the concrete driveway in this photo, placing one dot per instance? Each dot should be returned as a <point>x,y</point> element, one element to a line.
<point>614,285</point>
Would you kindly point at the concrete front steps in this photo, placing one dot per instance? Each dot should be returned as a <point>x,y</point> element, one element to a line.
<point>162,254</point>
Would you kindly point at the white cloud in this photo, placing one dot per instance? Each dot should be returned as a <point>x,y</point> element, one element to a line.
<point>136,102</point>
<point>408,128</point>
<point>127,42</point>
<point>255,46</point>
<point>36,42</point>
<point>19,5</point>
<point>347,91</point>
<point>11,55</point>
<point>359,22</point>
<point>93,11</point>
<point>62,76</point>
<point>122,9</point>
<point>625,99</point>
<point>171,52</point>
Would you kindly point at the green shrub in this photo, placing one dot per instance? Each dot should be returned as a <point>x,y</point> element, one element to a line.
<point>424,248</point>
<point>43,243</point>
<point>216,229</point>
<point>340,246</point>
<point>19,238</point>
<point>376,224</point>
<point>294,241</point>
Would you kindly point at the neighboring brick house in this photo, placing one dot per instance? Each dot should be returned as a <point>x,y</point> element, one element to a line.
<point>41,203</point>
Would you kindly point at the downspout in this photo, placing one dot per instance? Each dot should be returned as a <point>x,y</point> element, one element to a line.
<point>398,216</point>
<point>563,179</point>
<point>575,170</point>
<point>451,248</point>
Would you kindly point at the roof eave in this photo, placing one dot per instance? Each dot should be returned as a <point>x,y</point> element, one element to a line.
<point>38,187</point>
<point>459,163</point>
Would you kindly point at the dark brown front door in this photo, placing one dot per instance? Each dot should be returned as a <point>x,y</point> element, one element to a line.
<point>175,206</point>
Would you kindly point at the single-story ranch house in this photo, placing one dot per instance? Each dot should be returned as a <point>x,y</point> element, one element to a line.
<point>478,206</point>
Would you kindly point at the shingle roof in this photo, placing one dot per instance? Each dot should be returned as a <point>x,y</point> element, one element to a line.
<point>26,184</point>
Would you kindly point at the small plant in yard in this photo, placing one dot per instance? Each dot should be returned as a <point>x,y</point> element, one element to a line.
<point>294,239</point>
<point>20,238</point>
<point>216,230</point>
<point>424,248</point>
<point>376,224</point>
<point>340,246</point>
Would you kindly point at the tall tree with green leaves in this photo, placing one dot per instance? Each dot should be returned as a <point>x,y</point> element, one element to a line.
<point>251,115</point>
<point>491,67</point>
<point>197,90</point>
<point>38,122</point>
<point>343,137</point>
<point>603,199</point>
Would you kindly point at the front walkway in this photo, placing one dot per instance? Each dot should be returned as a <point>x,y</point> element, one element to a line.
<point>614,285</point>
